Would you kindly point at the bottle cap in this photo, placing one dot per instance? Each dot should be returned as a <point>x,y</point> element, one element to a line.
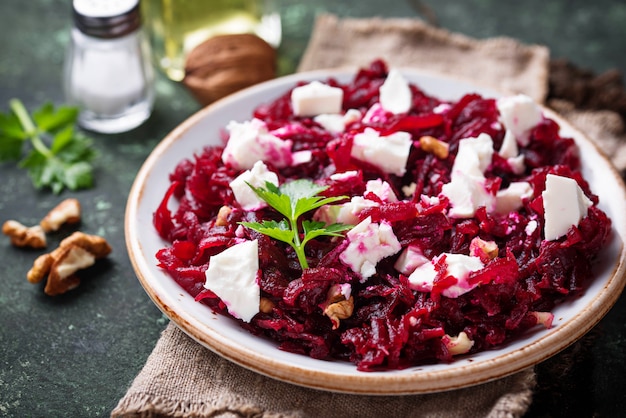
<point>106,18</point>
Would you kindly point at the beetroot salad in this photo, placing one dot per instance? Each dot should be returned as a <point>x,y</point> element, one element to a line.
<point>373,223</point>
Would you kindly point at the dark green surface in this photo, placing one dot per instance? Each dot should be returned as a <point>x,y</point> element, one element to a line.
<point>75,355</point>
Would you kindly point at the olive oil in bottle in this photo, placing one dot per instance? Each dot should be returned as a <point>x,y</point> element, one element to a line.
<point>175,27</point>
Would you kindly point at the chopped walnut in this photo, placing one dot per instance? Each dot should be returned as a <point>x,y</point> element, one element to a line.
<point>61,277</point>
<point>543,318</point>
<point>41,267</point>
<point>439,149</point>
<point>75,252</point>
<point>95,244</point>
<point>460,344</point>
<point>266,305</point>
<point>339,310</point>
<point>24,236</point>
<point>222,216</point>
<point>66,212</point>
<point>485,250</point>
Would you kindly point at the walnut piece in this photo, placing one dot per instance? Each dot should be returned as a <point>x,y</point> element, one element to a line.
<point>61,277</point>
<point>266,305</point>
<point>339,310</point>
<point>224,64</point>
<point>66,212</point>
<point>485,250</point>
<point>222,216</point>
<point>24,236</point>
<point>460,344</point>
<point>76,252</point>
<point>439,149</point>
<point>543,318</point>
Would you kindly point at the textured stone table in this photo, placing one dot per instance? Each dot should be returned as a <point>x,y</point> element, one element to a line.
<point>76,354</point>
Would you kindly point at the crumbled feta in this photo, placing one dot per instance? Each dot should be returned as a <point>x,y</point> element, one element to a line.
<point>531,227</point>
<point>232,276</point>
<point>301,157</point>
<point>458,266</point>
<point>473,156</point>
<point>346,175</point>
<point>442,108</point>
<point>250,142</point>
<point>337,123</point>
<point>510,151</point>
<point>375,114</point>
<point>381,189</point>
<point>346,213</point>
<point>256,176</point>
<point>511,198</point>
<point>466,190</point>
<point>343,289</point>
<point>316,98</point>
<point>466,194</point>
<point>517,164</point>
<point>410,259</point>
<point>564,203</point>
<point>369,242</point>
<point>519,114</point>
<point>389,153</point>
<point>395,93</point>
<point>509,147</point>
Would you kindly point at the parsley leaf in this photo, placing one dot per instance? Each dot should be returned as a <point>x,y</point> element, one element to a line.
<point>58,156</point>
<point>292,200</point>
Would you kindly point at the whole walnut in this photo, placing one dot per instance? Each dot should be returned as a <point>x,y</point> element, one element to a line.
<point>224,64</point>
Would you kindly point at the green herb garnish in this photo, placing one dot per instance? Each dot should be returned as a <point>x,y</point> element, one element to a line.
<point>293,200</point>
<point>65,162</point>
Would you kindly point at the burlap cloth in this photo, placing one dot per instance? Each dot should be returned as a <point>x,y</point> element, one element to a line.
<point>183,379</point>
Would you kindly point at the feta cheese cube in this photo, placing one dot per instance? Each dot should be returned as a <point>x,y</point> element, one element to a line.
<point>346,175</point>
<point>375,114</point>
<point>519,114</point>
<point>389,153</point>
<point>410,259</point>
<point>257,176</point>
<point>381,189</point>
<point>511,198</point>
<point>336,123</point>
<point>466,194</point>
<point>316,98</point>
<point>369,242</point>
<point>232,276</point>
<point>473,156</point>
<point>346,213</point>
<point>395,93</point>
<point>466,190</point>
<point>564,203</point>
<point>250,142</point>
<point>458,266</point>
<point>509,148</point>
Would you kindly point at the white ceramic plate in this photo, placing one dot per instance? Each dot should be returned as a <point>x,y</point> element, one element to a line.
<point>222,335</point>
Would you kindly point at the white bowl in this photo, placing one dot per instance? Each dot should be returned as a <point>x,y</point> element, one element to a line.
<point>225,337</point>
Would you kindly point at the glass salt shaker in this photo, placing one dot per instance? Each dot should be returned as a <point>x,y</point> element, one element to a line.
<point>108,72</point>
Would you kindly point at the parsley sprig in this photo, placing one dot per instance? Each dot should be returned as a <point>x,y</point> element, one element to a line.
<point>292,200</point>
<point>59,156</point>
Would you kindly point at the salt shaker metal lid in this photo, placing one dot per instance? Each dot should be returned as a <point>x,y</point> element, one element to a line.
<point>106,18</point>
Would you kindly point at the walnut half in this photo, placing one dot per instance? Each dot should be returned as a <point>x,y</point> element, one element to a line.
<point>66,212</point>
<point>24,236</point>
<point>76,252</point>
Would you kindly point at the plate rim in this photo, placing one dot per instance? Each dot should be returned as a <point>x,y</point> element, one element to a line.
<point>382,383</point>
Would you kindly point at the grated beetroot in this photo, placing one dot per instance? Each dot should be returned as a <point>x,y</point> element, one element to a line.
<point>392,326</point>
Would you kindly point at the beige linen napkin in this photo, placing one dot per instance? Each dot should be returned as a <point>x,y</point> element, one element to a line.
<point>183,379</point>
